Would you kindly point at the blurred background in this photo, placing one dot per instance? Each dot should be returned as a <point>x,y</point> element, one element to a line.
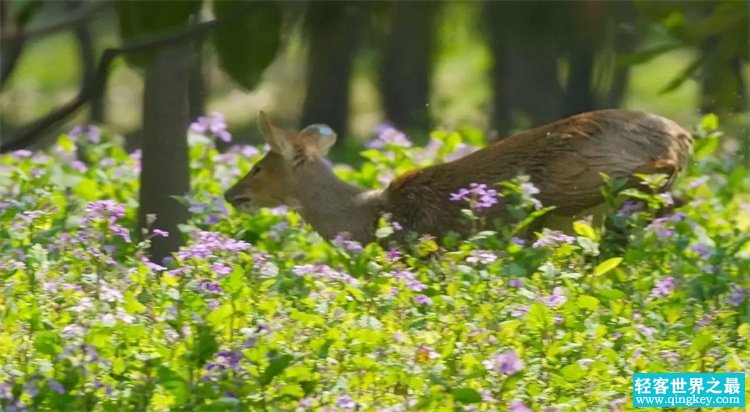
<point>497,66</point>
<point>146,70</point>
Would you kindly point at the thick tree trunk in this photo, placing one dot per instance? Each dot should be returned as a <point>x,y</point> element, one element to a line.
<point>587,23</point>
<point>524,41</point>
<point>407,65</point>
<point>165,172</point>
<point>333,30</point>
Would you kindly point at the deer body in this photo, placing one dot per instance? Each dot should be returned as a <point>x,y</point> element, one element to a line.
<point>563,159</point>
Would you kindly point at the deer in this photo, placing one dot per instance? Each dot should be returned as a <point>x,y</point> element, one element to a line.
<point>566,160</point>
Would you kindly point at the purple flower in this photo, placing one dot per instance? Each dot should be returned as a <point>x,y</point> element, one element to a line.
<point>703,250</point>
<point>518,406</point>
<point>108,210</point>
<point>208,286</point>
<point>664,287</point>
<point>159,232</point>
<point>552,238</point>
<point>516,283</point>
<point>393,255</point>
<point>342,240</point>
<point>520,311</point>
<point>388,135</point>
<point>22,153</point>
<point>645,330</point>
<point>423,300</point>
<point>306,403</point>
<point>461,150</point>
<point>617,405</point>
<point>737,295</point>
<point>56,386</point>
<point>207,244</point>
<point>79,166</point>
<point>462,194</point>
<point>478,196</point>
<point>221,269</point>
<point>507,363</point>
<point>704,321</point>
<point>518,241</point>
<point>6,391</point>
<point>91,132</point>
<point>213,124</point>
<point>417,286</point>
<point>346,402</point>
<point>324,272</point>
<point>225,360</point>
<point>481,256</point>
<point>629,208</point>
<point>121,232</point>
<point>670,356</point>
<point>556,298</point>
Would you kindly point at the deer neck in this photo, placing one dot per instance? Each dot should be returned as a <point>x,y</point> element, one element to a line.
<point>332,206</point>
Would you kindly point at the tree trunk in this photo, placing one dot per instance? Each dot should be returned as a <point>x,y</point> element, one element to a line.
<point>164,163</point>
<point>407,65</point>
<point>88,65</point>
<point>333,32</point>
<point>524,39</point>
<point>587,23</point>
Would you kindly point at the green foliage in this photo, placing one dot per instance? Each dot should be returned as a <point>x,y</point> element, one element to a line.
<point>143,20</point>
<point>258,312</point>
<point>247,45</point>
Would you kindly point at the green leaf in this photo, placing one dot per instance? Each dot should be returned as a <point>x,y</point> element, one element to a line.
<point>538,317</point>
<point>175,384</point>
<point>612,294</point>
<point>275,368</point>
<point>466,395</point>
<point>710,122</point>
<point>584,229</point>
<point>205,345</point>
<point>587,302</point>
<point>246,45</point>
<point>701,342</point>
<point>572,372</point>
<point>47,343</point>
<point>645,55</point>
<point>683,76</point>
<point>132,305</point>
<point>140,20</point>
<point>607,265</point>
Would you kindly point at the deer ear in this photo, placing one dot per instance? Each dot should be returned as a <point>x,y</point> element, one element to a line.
<point>317,139</point>
<point>275,137</point>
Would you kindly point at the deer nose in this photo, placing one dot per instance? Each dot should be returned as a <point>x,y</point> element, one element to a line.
<point>228,196</point>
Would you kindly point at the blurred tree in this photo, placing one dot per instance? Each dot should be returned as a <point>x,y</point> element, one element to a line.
<point>12,24</point>
<point>164,164</point>
<point>88,62</point>
<point>408,59</point>
<point>173,75</point>
<point>524,38</point>
<point>333,31</point>
<point>719,32</point>
<point>556,59</point>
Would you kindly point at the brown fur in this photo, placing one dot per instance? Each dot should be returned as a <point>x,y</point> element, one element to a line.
<point>563,159</point>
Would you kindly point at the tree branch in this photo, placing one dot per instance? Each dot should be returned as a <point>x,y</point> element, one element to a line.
<point>31,132</point>
<point>73,19</point>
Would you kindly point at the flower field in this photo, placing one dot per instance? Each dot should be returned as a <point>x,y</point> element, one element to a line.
<point>257,312</point>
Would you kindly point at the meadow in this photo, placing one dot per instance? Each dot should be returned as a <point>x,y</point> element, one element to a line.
<point>257,312</point>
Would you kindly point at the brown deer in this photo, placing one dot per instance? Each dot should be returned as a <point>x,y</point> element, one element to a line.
<point>564,159</point>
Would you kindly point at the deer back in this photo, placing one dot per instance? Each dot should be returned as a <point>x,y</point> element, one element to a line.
<point>563,159</point>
